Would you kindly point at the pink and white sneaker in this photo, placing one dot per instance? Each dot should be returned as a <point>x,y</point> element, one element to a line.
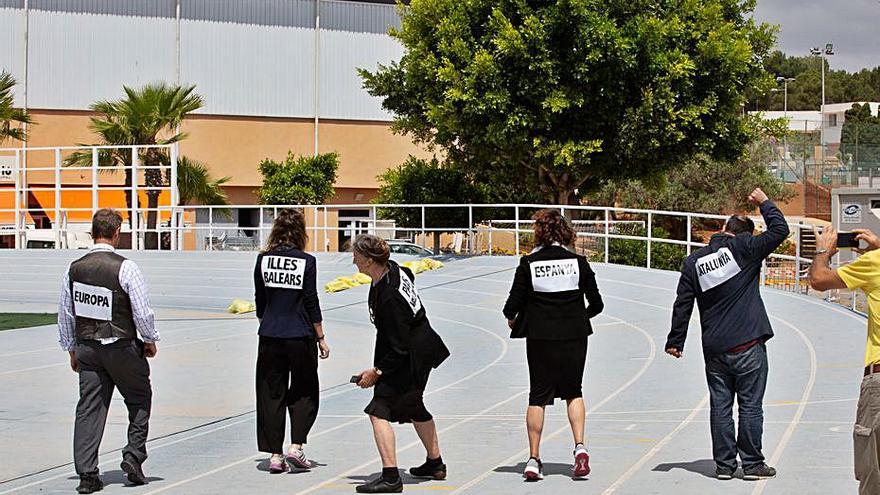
<point>297,458</point>
<point>581,462</point>
<point>277,464</point>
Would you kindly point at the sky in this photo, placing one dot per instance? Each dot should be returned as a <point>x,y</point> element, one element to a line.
<point>852,25</point>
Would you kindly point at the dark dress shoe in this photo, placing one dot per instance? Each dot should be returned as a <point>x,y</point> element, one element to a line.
<point>89,483</point>
<point>381,485</point>
<point>132,468</point>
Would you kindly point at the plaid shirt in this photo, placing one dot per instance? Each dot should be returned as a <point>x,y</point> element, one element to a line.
<point>132,281</point>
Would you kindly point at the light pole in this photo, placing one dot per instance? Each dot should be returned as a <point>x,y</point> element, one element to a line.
<point>829,50</point>
<point>785,81</point>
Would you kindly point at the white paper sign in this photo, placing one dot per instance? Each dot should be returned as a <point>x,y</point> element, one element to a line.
<point>283,272</point>
<point>8,166</point>
<point>716,268</point>
<point>851,213</point>
<point>410,294</point>
<point>555,275</point>
<point>90,301</point>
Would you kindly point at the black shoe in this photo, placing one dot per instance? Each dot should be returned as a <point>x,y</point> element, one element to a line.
<point>723,473</point>
<point>89,483</point>
<point>132,468</point>
<point>429,469</point>
<point>760,472</point>
<point>381,485</point>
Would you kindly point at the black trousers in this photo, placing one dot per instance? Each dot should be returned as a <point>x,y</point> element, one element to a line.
<point>287,378</point>
<point>102,368</point>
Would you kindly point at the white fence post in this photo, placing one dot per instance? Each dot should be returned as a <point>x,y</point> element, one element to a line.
<point>797,258</point>
<point>607,232</point>
<point>175,195</point>
<point>18,195</point>
<point>516,233</point>
<point>326,244</point>
<point>470,229</point>
<point>650,229</point>
<point>56,225</point>
<point>689,235</point>
<point>95,198</point>
<point>135,219</point>
<point>424,236</point>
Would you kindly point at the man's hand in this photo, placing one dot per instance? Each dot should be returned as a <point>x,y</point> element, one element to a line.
<point>672,351</point>
<point>324,348</point>
<point>757,197</point>
<point>150,349</point>
<point>827,240</point>
<point>74,364</point>
<point>869,237</point>
<point>510,323</point>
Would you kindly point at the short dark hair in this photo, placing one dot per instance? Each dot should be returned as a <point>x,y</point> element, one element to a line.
<point>105,223</point>
<point>737,224</point>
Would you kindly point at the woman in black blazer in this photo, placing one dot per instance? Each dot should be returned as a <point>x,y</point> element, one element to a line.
<point>407,348</point>
<point>291,336</point>
<point>546,307</point>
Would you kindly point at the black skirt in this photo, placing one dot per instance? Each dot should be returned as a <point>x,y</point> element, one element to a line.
<point>399,399</point>
<point>556,369</point>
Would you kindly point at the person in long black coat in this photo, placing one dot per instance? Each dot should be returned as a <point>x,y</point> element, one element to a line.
<point>406,351</point>
<point>546,307</point>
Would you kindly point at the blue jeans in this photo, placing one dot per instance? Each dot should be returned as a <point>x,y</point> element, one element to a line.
<point>745,375</point>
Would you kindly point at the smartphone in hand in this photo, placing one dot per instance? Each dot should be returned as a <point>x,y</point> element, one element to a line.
<point>355,378</point>
<point>847,240</point>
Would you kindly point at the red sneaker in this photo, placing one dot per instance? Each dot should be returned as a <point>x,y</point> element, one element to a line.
<point>581,463</point>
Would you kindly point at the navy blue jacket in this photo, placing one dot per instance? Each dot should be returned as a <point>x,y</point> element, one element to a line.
<point>285,290</point>
<point>724,279</point>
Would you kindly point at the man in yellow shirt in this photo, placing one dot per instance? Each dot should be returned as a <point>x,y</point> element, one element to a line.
<point>863,273</point>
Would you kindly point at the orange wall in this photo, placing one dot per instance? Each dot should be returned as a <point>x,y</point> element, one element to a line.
<point>234,146</point>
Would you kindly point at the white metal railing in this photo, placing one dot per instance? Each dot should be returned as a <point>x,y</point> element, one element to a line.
<point>490,229</point>
<point>30,179</point>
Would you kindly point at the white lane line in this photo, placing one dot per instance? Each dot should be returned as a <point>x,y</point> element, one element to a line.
<point>161,347</point>
<point>519,455</point>
<point>789,432</point>
<point>808,389</point>
<point>656,448</point>
<point>410,445</point>
<point>504,350</point>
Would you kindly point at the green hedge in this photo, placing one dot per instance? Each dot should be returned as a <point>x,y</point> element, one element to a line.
<point>633,252</point>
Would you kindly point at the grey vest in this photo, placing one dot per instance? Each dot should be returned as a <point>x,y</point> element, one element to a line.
<point>101,307</point>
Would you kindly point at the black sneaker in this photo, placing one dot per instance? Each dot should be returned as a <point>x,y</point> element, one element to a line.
<point>381,485</point>
<point>760,472</point>
<point>723,473</point>
<point>89,483</point>
<point>429,469</point>
<point>132,468</point>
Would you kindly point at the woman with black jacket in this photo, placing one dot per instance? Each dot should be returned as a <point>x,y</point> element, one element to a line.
<point>407,348</point>
<point>291,336</point>
<point>546,307</point>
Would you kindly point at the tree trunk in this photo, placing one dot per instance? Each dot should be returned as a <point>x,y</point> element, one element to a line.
<point>436,242</point>
<point>153,179</point>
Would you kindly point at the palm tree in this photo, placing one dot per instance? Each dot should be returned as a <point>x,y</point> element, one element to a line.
<point>10,118</point>
<point>194,183</point>
<point>143,117</point>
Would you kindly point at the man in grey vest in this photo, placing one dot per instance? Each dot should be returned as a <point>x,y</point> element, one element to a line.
<point>104,305</point>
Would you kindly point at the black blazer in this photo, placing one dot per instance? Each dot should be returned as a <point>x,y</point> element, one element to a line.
<point>407,348</point>
<point>547,296</point>
<point>286,294</point>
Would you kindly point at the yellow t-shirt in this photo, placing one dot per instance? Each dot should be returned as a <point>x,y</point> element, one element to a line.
<point>864,273</point>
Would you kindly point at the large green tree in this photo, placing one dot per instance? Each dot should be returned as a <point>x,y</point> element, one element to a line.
<point>418,181</point>
<point>567,94</point>
<point>860,137</point>
<point>145,116</point>
<point>11,118</point>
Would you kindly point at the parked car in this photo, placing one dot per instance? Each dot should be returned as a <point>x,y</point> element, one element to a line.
<point>406,247</point>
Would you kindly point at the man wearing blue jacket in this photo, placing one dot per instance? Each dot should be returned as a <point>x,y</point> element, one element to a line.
<point>724,278</point>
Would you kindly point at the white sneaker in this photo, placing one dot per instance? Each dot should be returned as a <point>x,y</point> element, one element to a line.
<point>297,457</point>
<point>534,470</point>
<point>581,462</point>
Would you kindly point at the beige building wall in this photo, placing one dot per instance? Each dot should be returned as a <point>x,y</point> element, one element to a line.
<point>235,146</point>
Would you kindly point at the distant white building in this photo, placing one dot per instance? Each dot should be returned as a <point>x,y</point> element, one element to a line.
<point>829,121</point>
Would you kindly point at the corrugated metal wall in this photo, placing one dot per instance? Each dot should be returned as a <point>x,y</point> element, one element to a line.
<point>77,59</point>
<point>253,58</point>
<point>246,69</point>
<point>12,47</point>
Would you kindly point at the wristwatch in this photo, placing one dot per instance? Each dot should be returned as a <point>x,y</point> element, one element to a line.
<point>821,251</point>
